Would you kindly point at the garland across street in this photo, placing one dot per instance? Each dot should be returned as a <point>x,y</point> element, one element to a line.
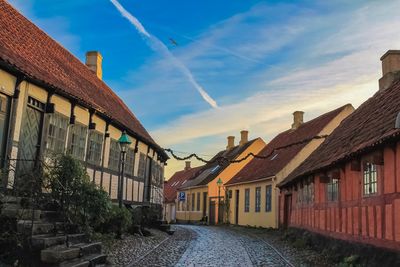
<point>222,159</point>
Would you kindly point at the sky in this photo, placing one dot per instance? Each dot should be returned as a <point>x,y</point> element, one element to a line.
<point>259,61</point>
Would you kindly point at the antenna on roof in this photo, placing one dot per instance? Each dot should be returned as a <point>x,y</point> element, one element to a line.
<point>397,125</point>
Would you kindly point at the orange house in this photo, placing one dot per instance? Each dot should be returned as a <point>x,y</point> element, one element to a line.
<point>349,188</point>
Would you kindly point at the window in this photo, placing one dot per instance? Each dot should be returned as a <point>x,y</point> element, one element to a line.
<point>332,189</point>
<point>95,146</point>
<point>305,193</point>
<point>247,200</point>
<point>268,198</point>
<point>78,141</point>
<point>193,195</point>
<point>258,199</point>
<point>142,165</point>
<point>198,201</point>
<point>113,159</point>
<point>56,133</point>
<point>129,160</point>
<point>370,179</point>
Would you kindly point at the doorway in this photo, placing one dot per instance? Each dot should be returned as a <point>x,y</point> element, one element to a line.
<point>212,212</point>
<point>287,210</point>
<point>237,207</point>
<point>30,139</point>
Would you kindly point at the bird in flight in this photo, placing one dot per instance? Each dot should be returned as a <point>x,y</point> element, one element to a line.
<point>173,42</point>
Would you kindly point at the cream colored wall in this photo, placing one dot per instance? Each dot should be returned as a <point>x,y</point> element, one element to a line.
<point>7,83</point>
<point>230,171</point>
<point>188,214</point>
<point>252,218</point>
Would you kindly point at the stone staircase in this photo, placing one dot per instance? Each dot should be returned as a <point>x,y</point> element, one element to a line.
<point>51,245</point>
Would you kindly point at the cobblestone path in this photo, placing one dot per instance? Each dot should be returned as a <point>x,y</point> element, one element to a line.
<point>220,246</point>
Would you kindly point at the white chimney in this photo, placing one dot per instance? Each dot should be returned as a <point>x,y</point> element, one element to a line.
<point>94,62</point>
<point>187,165</point>
<point>390,69</point>
<point>231,142</point>
<point>244,137</point>
<point>297,119</point>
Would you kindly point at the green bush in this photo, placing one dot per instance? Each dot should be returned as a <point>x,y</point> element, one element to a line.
<point>118,217</point>
<point>83,204</point>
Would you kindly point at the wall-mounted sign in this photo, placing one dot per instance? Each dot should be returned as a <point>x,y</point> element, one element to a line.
<point>182,196</point>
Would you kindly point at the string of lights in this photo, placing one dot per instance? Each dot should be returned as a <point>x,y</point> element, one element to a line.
<point>223,159</point>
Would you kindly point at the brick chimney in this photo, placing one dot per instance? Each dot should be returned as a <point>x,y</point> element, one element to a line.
<point>231,142</point>
<point>94,61</point>
<point>390,69</point>
<point>244,137</point>
<point>297,119</point>
<point>187,165</point>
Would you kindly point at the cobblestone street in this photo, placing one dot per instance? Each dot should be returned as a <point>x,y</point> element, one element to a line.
<point>212,246</point>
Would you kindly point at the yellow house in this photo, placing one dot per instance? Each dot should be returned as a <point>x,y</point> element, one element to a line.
<point>51,103</point>
<point>199,198</point>
<point>254,199</point>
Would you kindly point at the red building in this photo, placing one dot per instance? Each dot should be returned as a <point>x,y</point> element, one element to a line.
<point>349,188</point>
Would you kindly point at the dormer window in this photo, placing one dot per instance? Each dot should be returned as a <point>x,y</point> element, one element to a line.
<point>370,179</point>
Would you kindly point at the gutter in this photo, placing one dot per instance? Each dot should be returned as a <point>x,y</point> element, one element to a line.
<point>254,181</point>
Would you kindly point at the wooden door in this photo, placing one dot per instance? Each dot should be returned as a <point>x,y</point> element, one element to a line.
<point>287,210</point>
<point>212,212</point>
<point>237,207</point>
<point>30,139</point>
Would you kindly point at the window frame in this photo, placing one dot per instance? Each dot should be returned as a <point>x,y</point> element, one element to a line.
<point>130,161</point>
<point>332,190</point>
<point>59,122</point>
<point>96,140</point>
<point>142,165</point>
<point>247,200</point>
<point>268,198</point>
<point>257,206</point>
<point>114,155</point>
<point>372,173</point>
<point>198,200</point>
<point>75,148</point>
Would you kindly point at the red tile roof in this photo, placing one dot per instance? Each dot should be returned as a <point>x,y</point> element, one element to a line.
<point>262,168</point>
<point>371,124</point>
<point>30,51</point>
<point>177,180</point>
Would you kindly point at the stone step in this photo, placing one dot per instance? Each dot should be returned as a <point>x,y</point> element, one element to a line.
<point>22,214</point>
<point>38,227</point>
<point>96,259</point>
<point>77,239</point>
<point>89,260</point>
<point>50,216</point>
<point>89,248</point>
<point>79,262</point>
<point>47,240</point>
<point>58,254</point>
<point>10,199</point>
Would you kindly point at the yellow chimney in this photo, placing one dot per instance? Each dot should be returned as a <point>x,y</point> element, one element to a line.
<point>297,119</point>
<point>244,137</point>
<point>231,142</point>
<point>94,61</point>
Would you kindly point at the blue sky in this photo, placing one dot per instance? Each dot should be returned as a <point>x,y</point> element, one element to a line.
<point>259,60</point>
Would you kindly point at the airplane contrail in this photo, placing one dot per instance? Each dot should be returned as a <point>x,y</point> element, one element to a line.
<point>159,46</point>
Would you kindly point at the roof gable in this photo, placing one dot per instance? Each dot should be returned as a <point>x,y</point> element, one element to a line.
<point>281,150</point>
